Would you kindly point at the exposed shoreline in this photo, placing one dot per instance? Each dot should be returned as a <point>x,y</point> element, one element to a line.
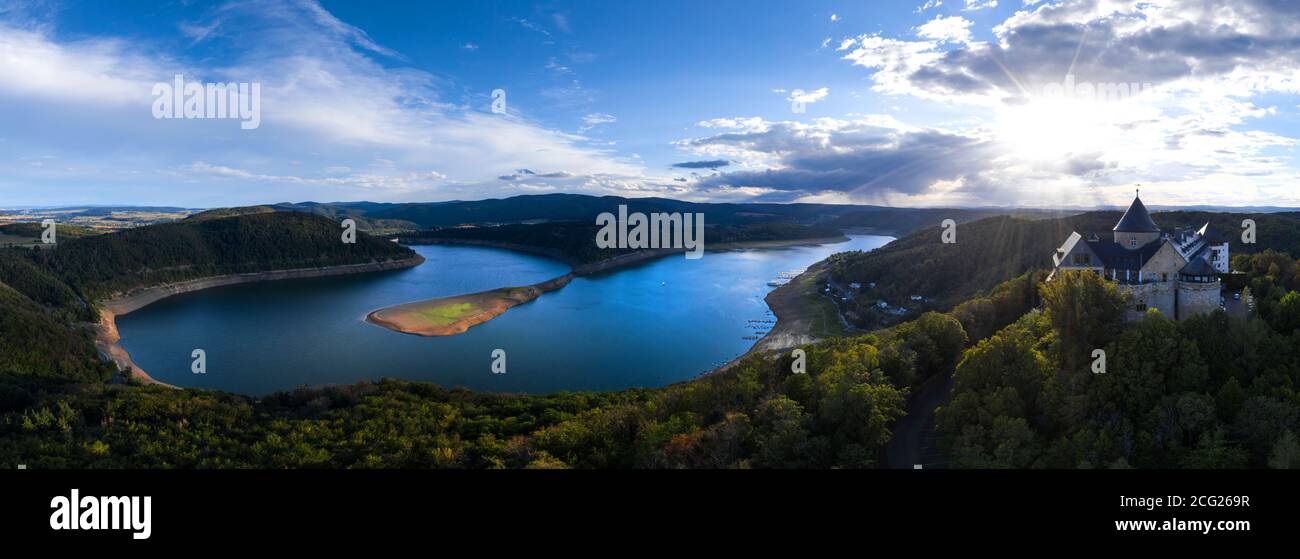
<point>791,330</point>
<point>407,318</point>
<point>422,318</point>
<point>108,339</point>
<point>794,318</point>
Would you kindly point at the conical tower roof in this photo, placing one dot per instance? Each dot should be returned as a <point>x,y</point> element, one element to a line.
<point>1137,219</point>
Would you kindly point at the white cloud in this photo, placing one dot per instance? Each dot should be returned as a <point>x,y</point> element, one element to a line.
<point>949,29</point>
<point>808,97</point>
<point>326,103</point>
<point>596,119</point>
<point>929,4</point>
<point>972,5</point>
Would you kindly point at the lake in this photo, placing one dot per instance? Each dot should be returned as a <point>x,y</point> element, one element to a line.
<point>648,325</point>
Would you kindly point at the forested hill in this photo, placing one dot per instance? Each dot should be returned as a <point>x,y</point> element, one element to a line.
<point>899,222</point>
<point>567,207</point>
<point>990,251</point>
<point>575,242</point>
<point>194,248</point>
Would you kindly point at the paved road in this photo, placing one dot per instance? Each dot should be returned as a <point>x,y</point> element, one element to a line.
<point>1237,308</point>
<point>915,441</point>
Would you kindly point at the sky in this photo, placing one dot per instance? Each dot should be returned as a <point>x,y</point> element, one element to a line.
<point>965,103</point>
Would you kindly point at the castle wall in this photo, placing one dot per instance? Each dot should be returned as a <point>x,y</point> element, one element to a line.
<point>1197,298</point>
<point>1164,264</point>
<point>1159,296</point>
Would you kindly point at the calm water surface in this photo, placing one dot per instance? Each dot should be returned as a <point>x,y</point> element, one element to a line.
<point>649,325</point>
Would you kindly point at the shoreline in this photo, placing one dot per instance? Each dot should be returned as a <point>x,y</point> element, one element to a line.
<point>789,331</point>
<point>794,319</point>
<point>108,339</point>
<point>406,318</point>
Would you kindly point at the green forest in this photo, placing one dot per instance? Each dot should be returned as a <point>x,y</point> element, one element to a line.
<point>1209,392</point>
<point>574,243</point>
<point>208,244</point>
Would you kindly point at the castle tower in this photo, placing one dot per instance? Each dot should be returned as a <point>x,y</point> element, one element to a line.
<point>1198,289</point>
<point>1136,228</point>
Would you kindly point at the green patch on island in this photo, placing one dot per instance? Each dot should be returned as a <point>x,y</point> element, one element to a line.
<point>444,315</point>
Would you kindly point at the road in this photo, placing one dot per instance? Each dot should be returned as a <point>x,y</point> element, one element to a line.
<point>914,441</point>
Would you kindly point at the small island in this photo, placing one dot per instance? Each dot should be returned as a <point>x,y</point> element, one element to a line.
<point>447,316</point>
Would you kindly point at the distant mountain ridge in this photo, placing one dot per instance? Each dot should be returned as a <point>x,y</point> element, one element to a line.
<point>541,208</point>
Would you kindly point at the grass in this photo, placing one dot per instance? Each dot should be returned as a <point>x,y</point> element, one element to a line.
<point>823,317</point>
<point>443,315</point>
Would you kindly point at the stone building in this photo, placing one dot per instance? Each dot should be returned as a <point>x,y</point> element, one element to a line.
<point>1175,272</point>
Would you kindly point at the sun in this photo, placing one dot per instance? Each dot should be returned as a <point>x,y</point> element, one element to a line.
<point>1053,129</point>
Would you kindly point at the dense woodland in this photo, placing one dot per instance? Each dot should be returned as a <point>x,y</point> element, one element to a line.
<point>207,245</point>
<point>566,207</point>
<point>1210,392</point>
<point>574,242</point>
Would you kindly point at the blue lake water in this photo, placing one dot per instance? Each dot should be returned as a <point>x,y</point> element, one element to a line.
<point>653,324</point>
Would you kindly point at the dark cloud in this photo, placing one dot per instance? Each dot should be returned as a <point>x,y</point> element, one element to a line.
<point>529,173</point>
<point>1039,47</point>
<point>712,164</point>
<point>853,158</point>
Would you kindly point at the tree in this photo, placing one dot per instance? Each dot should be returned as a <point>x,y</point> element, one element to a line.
<point>1286,453</point>
<point>1085,310</point>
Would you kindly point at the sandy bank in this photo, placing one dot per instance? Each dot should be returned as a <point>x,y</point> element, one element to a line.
<point>108,340</point>
<point>448,316</point>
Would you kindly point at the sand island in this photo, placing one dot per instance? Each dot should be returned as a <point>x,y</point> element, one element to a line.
<point>447,316</point>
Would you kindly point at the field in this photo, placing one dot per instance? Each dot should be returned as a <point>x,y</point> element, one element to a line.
<point>448,313</point>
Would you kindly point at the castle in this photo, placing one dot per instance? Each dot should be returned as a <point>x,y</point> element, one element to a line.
<point>1174,272</point>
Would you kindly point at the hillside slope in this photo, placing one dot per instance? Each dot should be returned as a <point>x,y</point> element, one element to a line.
<point>993,250</point>
<point>193,248</point>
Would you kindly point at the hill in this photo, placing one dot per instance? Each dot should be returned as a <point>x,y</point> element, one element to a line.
<point>565,207</point>
<point>221,213</point>
<point>993,250</point>
<point>193,248</point>
<point>902,221</point>
<point>36,343</point>
<point>574,242</point>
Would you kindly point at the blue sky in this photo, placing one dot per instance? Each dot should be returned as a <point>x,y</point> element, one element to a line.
<point>904,103</point>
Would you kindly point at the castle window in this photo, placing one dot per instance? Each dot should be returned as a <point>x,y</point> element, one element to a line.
<point>1164,277</point>
<point>1141,306</point>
